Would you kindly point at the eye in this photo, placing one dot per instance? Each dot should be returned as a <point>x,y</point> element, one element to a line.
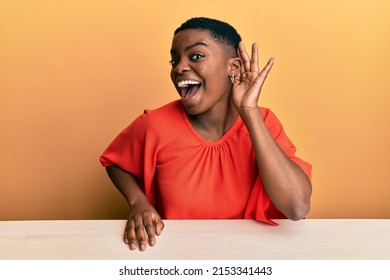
<point>173,62</point>
<point>196,56</point>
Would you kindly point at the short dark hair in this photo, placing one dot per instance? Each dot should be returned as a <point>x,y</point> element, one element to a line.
<point>221,31</point>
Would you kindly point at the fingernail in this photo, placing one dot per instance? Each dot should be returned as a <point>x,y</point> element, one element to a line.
<point>152,242</point>
<point>132,246</point>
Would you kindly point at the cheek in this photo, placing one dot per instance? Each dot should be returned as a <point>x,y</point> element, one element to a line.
<point>172,75</point>
<point>212,74</point>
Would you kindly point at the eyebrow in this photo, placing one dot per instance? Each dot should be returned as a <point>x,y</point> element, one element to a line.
<point>191,46</point>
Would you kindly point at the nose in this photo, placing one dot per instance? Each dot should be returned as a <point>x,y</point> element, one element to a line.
<point>182,66</point>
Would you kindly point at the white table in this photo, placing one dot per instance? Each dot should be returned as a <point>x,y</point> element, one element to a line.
<point>199,239</point>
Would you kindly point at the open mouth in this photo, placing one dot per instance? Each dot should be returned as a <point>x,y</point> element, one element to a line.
<point>188,88</point>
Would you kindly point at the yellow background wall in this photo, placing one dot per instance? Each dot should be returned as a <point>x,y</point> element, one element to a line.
<point>74,73</point>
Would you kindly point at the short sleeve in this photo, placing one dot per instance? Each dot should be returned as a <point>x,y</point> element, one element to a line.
<point>134,150</point>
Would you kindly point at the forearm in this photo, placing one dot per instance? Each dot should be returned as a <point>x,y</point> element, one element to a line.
<point>144,223</point>
<point>284,181</point>
<point>127,184</point>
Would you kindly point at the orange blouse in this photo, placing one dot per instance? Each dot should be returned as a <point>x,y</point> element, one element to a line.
<point>187,177</point>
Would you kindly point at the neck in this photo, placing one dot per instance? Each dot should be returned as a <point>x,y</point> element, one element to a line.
<point>213,124</point>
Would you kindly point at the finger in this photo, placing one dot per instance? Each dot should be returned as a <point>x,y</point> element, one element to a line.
<point>125,235</point>
<point>131,236</point>
<point>159,225</point>
<point>154,228</point>
<point>150,229</point>
<point>242,68</point>
<point>264,73</point>
<point>140,232</point>
<point>244,57</point>
<point>237,78</point>
<point>254,58</point>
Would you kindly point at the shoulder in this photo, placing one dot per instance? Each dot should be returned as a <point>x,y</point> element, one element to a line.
<point>159,116</point>
<point>159,123</point>
<point>266,113</point>
<point>162,114</point>
<point>269,117</point>
<point>271,121</point>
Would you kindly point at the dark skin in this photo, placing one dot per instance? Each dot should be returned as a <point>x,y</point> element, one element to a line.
<point>212,111</point>
<point>144,223</point>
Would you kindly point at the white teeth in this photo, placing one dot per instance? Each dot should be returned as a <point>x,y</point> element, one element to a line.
<point>186,83</point>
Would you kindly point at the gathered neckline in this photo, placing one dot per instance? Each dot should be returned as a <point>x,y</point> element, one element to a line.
<point>193,131</point>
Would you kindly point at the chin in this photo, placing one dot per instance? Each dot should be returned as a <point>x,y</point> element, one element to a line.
<point>191,110</point>
<point>192,106</point>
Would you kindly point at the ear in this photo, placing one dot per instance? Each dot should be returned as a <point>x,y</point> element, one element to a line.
<point>234,66</point>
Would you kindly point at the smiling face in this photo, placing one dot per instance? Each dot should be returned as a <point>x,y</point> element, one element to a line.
<point>200,71</point>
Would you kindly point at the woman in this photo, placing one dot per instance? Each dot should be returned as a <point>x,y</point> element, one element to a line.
<point>213,154</point>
